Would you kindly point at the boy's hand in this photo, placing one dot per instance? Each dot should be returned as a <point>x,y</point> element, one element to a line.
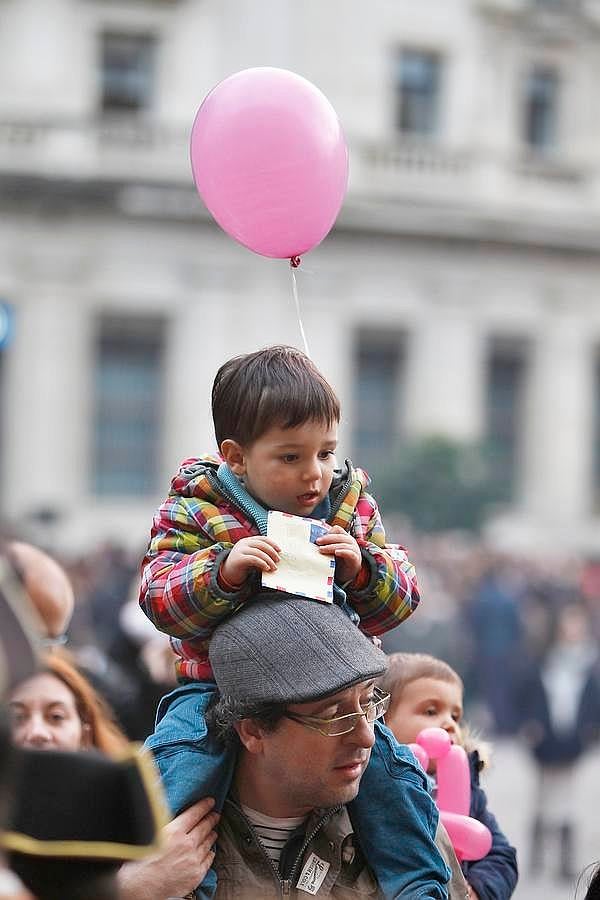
<point>348,558</point>
<point>250,553</point>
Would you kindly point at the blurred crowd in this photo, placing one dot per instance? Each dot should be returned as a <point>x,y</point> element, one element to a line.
<point>492,616</point>
<point>522,632</point>
<point>112,640</point>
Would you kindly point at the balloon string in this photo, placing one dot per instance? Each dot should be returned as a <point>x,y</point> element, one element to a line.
<point>294,265</point>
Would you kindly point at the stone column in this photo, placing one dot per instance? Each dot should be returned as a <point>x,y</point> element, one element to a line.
<point>48,415</point>
<point>42,64</point>
<point>444,375</point>
<point>558,423</point>
<point>190,366</point>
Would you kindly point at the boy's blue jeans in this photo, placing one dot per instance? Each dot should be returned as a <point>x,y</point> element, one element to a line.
<point>394,816</point>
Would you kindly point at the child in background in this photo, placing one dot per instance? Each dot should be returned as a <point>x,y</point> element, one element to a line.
<point>426,692</point>
<point>276,420</point>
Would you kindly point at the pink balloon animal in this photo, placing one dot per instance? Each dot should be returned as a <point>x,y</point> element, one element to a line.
<point>470,838</point>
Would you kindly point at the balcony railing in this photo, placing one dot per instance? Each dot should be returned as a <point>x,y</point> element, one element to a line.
<point>549,171</point>
<point>126,148</point>
<point>418,158</point>
<point>549,13</point>
<point>137,151</point>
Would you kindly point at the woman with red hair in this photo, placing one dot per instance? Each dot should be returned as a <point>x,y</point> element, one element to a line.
<point>58,709</point>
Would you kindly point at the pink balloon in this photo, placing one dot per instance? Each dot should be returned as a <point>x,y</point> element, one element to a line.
<point>454,781</point>
<point>436,741</point>
<point>270,161</point>
<point>470,838</point>
<point>421,754</point>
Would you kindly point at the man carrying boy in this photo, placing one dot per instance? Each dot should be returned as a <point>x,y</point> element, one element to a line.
<point>275,419</point>
<point>301,706</point>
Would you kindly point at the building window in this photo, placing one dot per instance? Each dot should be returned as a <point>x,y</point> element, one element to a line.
<point>127,72</point>
<point>417,92</point>
<point>541,108</point>
<point>128,381</point>
<point>377,398</point>
<point>504,410</point>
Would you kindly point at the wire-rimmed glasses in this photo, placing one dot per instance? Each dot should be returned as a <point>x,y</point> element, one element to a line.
<point>345,724</point>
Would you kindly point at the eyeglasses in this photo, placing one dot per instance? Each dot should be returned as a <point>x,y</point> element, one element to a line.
<point>345,724</point>
<point>56,641</point>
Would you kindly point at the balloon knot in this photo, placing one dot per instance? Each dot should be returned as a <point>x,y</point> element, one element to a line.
<point>295,262</point>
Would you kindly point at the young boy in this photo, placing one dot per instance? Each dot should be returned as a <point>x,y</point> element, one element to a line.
<point>276,419</point>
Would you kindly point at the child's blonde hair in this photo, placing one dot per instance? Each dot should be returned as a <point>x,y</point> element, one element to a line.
<point>404,668</point>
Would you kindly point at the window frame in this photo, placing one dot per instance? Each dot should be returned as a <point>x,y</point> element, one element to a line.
<point>514,352</point>
<point>550,144</point>
<point>433,127</point>
<point>141,35</point>
<point>366,441</point>
<point>114,334</point>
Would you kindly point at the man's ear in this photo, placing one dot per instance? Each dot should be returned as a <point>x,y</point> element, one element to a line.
<point>251,734</point>
<point>233,454</point>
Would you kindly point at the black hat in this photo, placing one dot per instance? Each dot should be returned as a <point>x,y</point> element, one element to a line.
<point>280,648</point>
<point>84,805</point>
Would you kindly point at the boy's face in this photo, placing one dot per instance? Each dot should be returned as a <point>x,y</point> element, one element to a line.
<point>426,703</point>
<point>287,469</point>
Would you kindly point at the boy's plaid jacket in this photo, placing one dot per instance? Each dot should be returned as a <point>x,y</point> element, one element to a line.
<point>196,527</point>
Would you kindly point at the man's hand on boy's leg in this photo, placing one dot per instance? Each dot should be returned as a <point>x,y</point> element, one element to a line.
<point>248,554</point>
<point>348,558</point>
<point>182,862</point>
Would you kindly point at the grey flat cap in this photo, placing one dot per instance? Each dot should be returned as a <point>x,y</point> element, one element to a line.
<point>285,649</point>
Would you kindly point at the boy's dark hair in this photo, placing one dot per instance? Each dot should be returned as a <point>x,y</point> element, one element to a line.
<point>224,712</point>
<point>274,386</point>
<point>406,667</point>
<point>593,890</point>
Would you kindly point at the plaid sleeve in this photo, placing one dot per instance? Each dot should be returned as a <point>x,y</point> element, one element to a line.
<point>179,589</point>
<point>391,593</point>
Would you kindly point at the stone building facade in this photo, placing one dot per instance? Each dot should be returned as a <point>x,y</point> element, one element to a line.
<point>457,295</point>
